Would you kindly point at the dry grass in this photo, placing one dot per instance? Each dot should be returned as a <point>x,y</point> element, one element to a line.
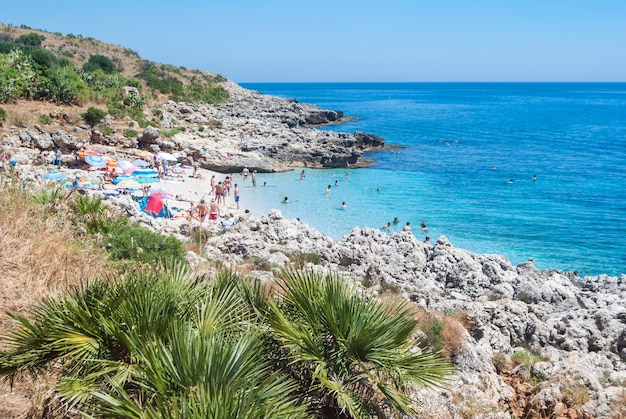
<point>446,332</point>
<point>619,406</point>
<point>39,256</point>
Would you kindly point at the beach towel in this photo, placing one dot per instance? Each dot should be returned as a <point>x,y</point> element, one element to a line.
<point>155,206</point>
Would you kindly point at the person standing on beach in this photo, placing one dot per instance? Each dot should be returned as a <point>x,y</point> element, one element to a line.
<point>219,193</point>
<point>214,210</point>
<point>212,186</point>
<point>244,173</point>
<point>227,186</point>
<point>159,167</point>
<point>236,193</point>
<point>57,158</point>
<point>202,211</point>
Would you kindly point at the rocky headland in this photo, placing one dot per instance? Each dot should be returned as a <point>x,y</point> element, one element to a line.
<point>261,132</point>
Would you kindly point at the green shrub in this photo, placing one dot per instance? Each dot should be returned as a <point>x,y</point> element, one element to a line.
<point>526,357</point>
<point>499,361</point>
<point>345,261</point>
<point>93,116</point>
<point>100,62</point>
<point>32,39</point>
<point>170,133</point>
<point>313,258</point>
<point>130,133</point>
<point>105,129</point>
<point>525,298</point>
<point>3,116</point>
<point>132,241</point>
<point>45,119</point>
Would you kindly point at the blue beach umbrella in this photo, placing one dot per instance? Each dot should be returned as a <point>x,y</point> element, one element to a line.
<point>54,176</point>
<point>140,163</point>
<point>95,161</point>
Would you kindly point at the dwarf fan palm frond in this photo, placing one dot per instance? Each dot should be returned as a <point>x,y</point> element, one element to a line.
<point>354,355</point>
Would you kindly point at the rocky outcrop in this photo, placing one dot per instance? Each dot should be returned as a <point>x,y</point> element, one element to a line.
<point>263,133</point>
<point>573,329</point>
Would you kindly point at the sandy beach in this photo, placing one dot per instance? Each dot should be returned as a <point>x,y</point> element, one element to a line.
<point>187,190</point>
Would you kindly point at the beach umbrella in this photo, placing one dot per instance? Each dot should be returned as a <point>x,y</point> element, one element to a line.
<point>86,153</point>
<point>94,180</point>
<point>124,164</point>
<point>130,170</point>
<point>160,192</point>
<point>129,184</point>
<point>95,161</point>
<point>83,183</point>
<point>140,163</point>
<point>54,176</point>
<point>167,156</point>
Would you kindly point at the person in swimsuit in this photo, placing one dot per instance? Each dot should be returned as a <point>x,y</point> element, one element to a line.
<point>214,210</point>
<point>202,210</point>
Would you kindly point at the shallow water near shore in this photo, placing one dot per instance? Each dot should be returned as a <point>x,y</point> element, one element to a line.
<point>464,143</point>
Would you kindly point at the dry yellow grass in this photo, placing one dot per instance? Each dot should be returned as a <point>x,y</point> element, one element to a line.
<point>39,257</point>
<point>39,254</point>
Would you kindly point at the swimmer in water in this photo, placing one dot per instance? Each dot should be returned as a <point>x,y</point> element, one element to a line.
<point>343,205</point>
<point>286,200</point>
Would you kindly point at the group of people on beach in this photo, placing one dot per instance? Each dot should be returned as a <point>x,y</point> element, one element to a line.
<point>219,191</point>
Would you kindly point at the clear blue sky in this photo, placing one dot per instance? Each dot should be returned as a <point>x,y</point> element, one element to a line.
<point>355,40</point>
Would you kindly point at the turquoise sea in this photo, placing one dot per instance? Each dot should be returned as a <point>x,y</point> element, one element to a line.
<point>463,143</point>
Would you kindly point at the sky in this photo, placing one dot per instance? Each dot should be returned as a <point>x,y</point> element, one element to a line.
<point>355,40</point>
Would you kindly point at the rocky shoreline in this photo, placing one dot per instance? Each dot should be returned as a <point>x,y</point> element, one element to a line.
<point>263,133</point>
<point>572,330</point>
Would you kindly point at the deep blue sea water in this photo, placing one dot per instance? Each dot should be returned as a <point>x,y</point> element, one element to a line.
<point>463,143</point>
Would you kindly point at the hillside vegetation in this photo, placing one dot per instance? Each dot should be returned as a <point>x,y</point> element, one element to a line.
<point>72,70</point>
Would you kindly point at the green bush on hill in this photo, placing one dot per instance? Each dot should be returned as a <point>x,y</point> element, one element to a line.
<point>100,62</point>
<point>29,71</point>
<point>93,115</point>
<point>31,39</point>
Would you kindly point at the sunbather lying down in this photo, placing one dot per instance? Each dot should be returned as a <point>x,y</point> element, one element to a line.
<point>229,221</point>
